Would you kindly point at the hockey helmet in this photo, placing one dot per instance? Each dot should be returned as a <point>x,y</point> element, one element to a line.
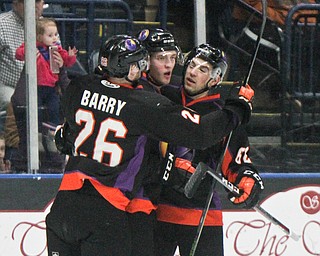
<point>160,40</point>
<point>119,52</point>
<point>214,56</point>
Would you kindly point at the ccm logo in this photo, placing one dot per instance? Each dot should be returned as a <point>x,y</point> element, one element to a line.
<point>230,186</point>
<point>168,168</point>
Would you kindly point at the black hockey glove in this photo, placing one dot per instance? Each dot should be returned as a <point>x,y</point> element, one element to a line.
<point>239,101</point>
<point>62,138</point>
<point>181,174</point>
<point>250,185</point>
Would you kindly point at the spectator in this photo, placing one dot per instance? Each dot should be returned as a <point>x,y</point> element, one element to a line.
<point>277,11</point>
<point>5,165</point>
<point>50,87</point>
<point>11,133</point>
<point>109,119</point>
<point>178,217</point>
<point>11,37</point>
<point>48,96</point>
<point>18,104</point>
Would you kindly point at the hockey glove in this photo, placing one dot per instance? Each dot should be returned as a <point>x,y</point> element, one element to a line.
<point>250,185</point>
<point>173,189</point>
<point>239,101</point>
<point>62,139</point>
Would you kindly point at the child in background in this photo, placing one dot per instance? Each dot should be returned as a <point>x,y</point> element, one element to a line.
<point>5,165</point>
<point>48,96</point>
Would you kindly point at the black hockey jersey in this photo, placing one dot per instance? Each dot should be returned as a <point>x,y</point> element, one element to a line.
<point>110,125</point>
<point>174,207</point>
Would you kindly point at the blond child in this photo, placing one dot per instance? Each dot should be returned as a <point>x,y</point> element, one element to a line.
<point>47,36</point>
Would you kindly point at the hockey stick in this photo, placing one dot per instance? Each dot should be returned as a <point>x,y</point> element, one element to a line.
<point>218,166</point>
<point>194,183</point>
<point>189,192</point>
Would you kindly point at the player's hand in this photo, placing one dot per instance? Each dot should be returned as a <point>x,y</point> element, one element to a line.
<point>62,141</point>
<point>246,93</point>
<point>239,101</point>
<point>250,185</point>
<point>239,92</point>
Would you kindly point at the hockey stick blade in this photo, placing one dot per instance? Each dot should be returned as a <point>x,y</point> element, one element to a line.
<point>193,183</point>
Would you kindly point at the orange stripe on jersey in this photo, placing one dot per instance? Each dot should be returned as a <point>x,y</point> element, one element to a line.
<point>225,167</point>
<point>184,216</point>
<point>75,180</point>
<point>72,181</point>
<point>140,205</point>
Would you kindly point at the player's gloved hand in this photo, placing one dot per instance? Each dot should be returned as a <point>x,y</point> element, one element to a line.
<point>180,173</point>
<point>178,178</point>
<point>62,139</point>
<point>250,185</point>
<point>239,101</point>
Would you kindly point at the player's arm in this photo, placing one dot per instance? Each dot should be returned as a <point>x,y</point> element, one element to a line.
<point>166,121</point>
<point>238,169</point>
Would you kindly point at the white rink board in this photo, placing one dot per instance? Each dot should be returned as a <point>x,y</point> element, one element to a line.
<point>246,232</point>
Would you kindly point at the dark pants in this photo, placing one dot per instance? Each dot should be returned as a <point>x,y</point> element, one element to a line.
<point>83,223</point>
<point>168,236</point>
<point>48,112</point>
<point>49,99</point>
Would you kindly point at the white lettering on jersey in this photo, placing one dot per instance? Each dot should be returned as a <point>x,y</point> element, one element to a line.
<point>191,116</point>
<point>242,156</point>
<point>102,102</point>
<point>169,165</point>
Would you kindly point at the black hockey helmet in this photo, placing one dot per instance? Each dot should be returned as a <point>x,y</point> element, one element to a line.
<point>160,40</point>
<point>119,52</point>
<point>214,56</point>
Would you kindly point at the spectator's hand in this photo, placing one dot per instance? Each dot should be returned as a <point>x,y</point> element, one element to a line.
<point>250,185</point>
<point>58,59</point>
<point>38,53</point>
<point>72,51</point>
<point>5,166</point>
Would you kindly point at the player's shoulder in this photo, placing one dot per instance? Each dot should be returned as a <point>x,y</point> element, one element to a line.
<point>85,79</point>
<point>172,92</point>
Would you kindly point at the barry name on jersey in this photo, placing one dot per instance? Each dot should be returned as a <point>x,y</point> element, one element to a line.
<point>102,102</point>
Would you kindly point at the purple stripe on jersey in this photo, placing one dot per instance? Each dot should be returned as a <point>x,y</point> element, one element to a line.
<point>216,200</point>
<point>125,180</point>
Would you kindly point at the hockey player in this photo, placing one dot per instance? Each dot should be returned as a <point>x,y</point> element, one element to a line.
<point>109,119</point>
<point>164,55</point>
<point>178,217</point>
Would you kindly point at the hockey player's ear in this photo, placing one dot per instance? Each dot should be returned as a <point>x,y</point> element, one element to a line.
<point>214,81</point>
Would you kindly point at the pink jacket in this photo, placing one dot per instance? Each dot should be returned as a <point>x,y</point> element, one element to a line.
<point>44,75</point>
